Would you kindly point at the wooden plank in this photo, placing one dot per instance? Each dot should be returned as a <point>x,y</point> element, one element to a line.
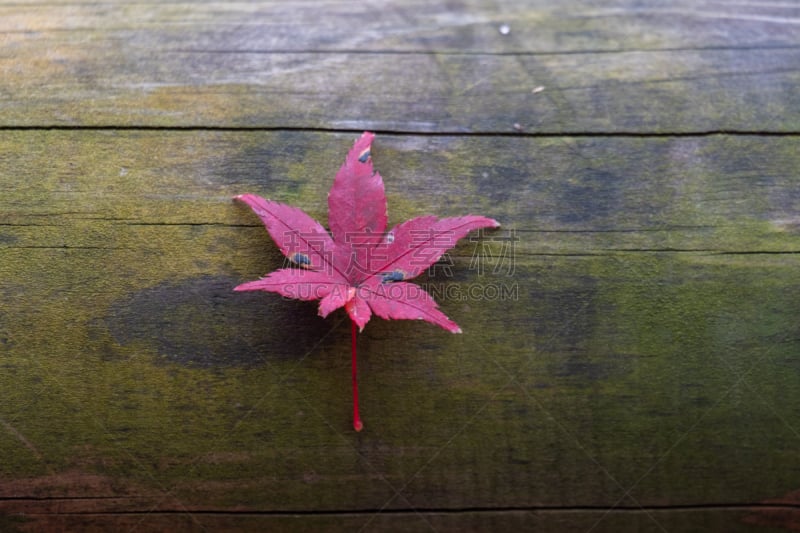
<point>465,26</point>
<point>629,355</point>
<point>640,358</point>
<point>628,67</point>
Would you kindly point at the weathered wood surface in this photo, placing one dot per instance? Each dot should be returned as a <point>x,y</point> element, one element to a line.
<point>630,350</point>
<point>415,65</point>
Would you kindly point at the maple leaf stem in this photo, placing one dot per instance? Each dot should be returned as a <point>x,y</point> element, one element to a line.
<point>357,424</point>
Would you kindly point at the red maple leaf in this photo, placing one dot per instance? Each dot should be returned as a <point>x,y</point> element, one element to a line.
<point>358,264</point>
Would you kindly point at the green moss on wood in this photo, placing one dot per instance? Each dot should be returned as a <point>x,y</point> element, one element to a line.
<point>654,305</point>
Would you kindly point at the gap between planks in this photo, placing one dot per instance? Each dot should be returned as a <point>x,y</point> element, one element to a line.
<point>412,133</point>
<point>730,507</point>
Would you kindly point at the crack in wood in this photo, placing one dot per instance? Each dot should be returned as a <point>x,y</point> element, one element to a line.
<point>413,133</point>
<point>476,53</point>
<point>729,507</point>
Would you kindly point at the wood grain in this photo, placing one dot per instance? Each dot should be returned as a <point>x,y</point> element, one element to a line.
<point>638,358</point>
<point>412,66</point>
<point>629,355</point>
